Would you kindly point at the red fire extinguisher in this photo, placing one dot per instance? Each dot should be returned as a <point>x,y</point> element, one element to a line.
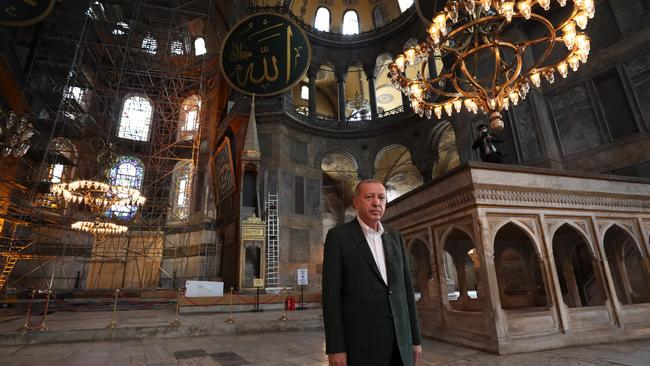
<point>291,303</point>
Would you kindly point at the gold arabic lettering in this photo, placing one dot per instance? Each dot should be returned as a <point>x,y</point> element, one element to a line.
<point>264,78</point>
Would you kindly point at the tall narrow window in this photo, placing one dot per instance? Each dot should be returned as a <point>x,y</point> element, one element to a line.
<point>350,22</point>
<point>378,16</point>
<point>136,119</point>
<point>304,92</point>
<point>127,172</point>
<point>182,180</point>
<point>176,48</point>
<point>404,4</point>
<point>64,155</point>
<point>199,46</point>
<point>149,44</point>
<point>616,107</point>
<point>77,94</point>
<point>322,21</point>
<point>189,117</point>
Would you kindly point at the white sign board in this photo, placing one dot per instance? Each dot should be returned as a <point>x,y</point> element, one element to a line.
<point>303,277</point>
<point>203,288</point>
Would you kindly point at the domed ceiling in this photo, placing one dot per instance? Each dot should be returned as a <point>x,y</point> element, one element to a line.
<point>371,14</point>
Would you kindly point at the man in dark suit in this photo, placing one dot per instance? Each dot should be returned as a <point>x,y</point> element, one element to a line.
<point>368,303</point>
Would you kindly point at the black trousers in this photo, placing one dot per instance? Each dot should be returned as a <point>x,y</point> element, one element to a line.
<point>396,358</point>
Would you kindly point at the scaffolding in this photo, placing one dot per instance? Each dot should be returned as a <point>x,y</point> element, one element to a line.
<point>86,63</point>
<point>272,242</point>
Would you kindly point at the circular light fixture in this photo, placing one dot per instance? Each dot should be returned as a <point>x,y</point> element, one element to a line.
<point>487,67</point>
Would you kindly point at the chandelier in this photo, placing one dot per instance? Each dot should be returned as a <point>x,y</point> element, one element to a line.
<point>15,133</point>
<point>99,228</point>
<point>98,196</point>
<point>489,61</point>
<point>357,102</point>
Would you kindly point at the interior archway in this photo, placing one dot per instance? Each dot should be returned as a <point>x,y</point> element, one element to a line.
<point>626,265</point>
<point>420,260</point>
<point>518,269</point>
<point>580,281</point>
<point>461,271</point>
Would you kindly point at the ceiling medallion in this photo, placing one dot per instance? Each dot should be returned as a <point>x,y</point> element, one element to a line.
<point>487,50</point>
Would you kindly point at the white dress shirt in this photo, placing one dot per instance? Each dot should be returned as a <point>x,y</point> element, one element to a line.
<point>373,237</point>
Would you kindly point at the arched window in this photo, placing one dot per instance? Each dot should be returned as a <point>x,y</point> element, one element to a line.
<point>136,119</point>
<point>176,48</point>
<point>404,4</point>
<point>189,117</point>
<point>350,22</point>
<point>322,21</point>
<point>64,155</point>
<point>127,172</point>
<point>199,46</point>
<point>378,16</point>
<point>149,44</point>
<point>182,181</point>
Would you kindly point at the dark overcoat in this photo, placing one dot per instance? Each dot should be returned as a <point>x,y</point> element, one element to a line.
<point>363,316</point>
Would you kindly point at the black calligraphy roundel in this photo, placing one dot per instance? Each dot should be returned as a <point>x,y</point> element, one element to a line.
<point>265,54</point>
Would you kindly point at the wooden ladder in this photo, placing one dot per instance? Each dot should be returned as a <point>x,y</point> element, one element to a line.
<point>6,270</point>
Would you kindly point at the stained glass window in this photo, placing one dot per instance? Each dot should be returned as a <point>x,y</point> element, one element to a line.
<point>127,172</point>
<point>181,193</point>
<point>176,48</point>
<point>136,119</point>
<point>149,44</point>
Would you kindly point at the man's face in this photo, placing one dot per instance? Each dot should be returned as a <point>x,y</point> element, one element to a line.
<point>371,203</point>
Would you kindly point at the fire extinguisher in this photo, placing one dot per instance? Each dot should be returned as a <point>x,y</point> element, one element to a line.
<point>292,303</point>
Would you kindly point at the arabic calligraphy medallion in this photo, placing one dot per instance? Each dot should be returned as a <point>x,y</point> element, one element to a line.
<point>265,54</point>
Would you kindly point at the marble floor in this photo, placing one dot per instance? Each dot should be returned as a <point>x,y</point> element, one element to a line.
<point>294,349</point>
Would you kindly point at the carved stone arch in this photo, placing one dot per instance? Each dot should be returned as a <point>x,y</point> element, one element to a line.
<point>421,237</point>
<point>447,231</point>
<point>320,155</point>
<point>628,228</point>
<point>532,233</point>
<point>555,226</point>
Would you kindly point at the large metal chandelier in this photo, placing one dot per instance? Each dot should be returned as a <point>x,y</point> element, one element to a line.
<point>489,62</point>
<point>98,196</point>
<point>15,134</point>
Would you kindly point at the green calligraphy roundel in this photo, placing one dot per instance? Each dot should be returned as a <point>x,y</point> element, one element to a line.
<point>265,54</point>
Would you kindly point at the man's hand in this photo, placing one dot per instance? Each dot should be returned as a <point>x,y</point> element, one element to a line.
<point>338,359</point>
<point>417,354</point>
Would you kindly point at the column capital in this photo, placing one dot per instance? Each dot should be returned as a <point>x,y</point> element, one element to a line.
<point>340,75</point>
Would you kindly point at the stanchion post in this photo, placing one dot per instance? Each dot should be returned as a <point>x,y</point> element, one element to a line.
<point>176,322</point>
<point>113,324</point>
<point>25,326</point>
<point>302,297</point>
<point>230,320</point>
<point>43,325</point>
<point>284,306</point>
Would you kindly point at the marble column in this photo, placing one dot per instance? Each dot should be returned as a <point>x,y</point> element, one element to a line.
<point>340,83</point>
<point>312,72</point>
<point>372,94</point>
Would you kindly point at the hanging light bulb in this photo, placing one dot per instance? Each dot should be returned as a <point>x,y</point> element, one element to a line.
<point>561,2</point>
<point>453,12</point>
<point>486,4</point>
<point>581,19</point>
<point>448,108</point>
<point>458,104</point>
<point>535,79</point>
<point>470,5</point>
<point>441,21</point>
<point>550,76</point>
<point>434,33</point>
<point>569,36</point>
<point>563,69</point>
<point>514,96</point>
<point>589,7</point>
<point>410,56</point>
<point>574,62</point>
<point>524,8</point>
<point>507,10</point>
<point>438,111</point>
<point>545,4</point>
<point>428,113</point>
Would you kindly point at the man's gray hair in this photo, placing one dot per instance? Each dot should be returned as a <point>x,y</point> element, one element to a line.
<point>357,189</point>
